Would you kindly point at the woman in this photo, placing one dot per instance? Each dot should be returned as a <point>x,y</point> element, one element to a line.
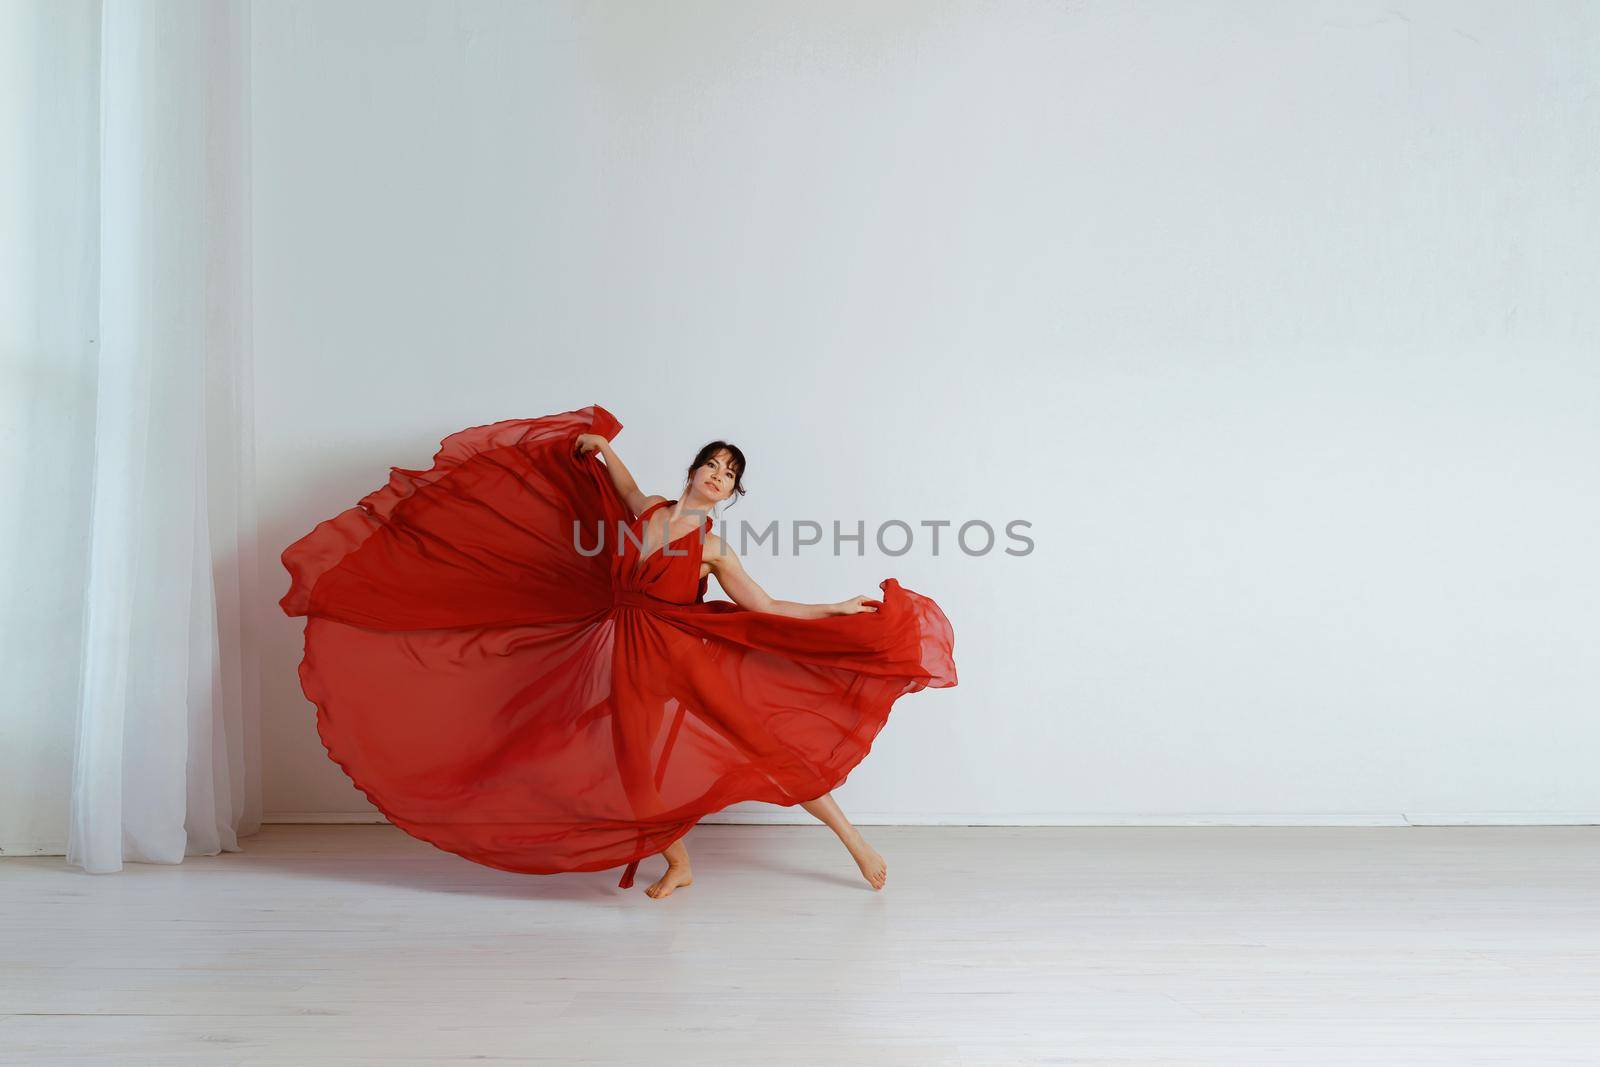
<point>512,656</point>
<point>717,474</point>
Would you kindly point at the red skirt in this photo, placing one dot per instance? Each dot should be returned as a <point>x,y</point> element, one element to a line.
<point>495,666</point>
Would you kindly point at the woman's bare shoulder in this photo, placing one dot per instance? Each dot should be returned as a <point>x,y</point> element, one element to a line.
<point>715,550</point>
<point>639,503</point>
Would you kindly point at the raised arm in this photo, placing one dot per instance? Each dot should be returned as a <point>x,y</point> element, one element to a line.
<point>743,590</point>
<point>636,499</point>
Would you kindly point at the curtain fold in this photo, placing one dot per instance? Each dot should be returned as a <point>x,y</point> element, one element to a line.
<point>166,762</point>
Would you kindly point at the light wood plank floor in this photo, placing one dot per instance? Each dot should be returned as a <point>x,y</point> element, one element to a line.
<point>358,944</point>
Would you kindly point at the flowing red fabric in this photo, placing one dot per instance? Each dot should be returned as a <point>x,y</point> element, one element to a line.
<point>496,667</point>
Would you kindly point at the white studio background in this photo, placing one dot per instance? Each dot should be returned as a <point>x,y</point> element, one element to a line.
<point>1274,320</point>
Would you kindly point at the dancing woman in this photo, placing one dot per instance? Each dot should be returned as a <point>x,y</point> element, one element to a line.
<point>717,475</point>
<point>508,683</point>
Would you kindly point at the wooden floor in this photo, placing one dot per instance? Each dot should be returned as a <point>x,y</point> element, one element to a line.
<point>357,944</point>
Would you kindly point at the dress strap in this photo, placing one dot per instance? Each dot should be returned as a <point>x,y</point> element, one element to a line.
<point>627,876</point>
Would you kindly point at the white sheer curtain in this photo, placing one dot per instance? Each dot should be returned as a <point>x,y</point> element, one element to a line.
<point>166,755</point>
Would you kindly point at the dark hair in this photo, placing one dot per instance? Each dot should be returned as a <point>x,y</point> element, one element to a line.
<point>703,457</point>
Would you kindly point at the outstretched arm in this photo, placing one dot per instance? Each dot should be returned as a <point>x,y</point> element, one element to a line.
<point>636,499</point>
<point>743,590</point>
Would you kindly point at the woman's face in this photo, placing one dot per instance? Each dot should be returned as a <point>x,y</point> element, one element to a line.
<point>714,478</point>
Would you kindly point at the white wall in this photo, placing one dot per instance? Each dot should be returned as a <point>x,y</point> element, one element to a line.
<point>1271,319</point>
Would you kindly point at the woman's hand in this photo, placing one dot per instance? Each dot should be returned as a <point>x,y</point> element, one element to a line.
<point>856,605</point>
<point>587,444</point>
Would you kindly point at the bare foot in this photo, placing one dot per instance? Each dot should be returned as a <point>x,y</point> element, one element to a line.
<point>676,877</point>
<point>873,869</point>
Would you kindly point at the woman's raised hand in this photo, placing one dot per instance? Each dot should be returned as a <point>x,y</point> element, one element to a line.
<point>588,442</point>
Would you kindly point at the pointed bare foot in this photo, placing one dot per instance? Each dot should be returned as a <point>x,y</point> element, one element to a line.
<point>873,868</point>
<point>677,876</point>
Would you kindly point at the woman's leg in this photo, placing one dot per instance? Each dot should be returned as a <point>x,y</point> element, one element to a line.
<point>873,868</point>
<point>677,876</point>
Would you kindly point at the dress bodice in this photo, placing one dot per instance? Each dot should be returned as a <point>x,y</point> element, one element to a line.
<point>674,577</point>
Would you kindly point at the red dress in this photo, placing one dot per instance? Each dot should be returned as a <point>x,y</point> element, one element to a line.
<point>496,667</point>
